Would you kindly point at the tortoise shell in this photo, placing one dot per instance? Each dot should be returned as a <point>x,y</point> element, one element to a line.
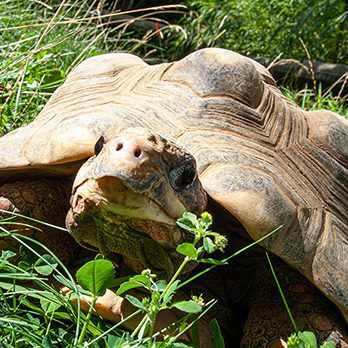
<point>264,159</point>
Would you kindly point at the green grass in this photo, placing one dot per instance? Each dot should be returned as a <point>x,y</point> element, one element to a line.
<point>34,313</point>
<point>50,40</point>
<point>267,28</point>
<point>40,43</point>
<point>309,99</point>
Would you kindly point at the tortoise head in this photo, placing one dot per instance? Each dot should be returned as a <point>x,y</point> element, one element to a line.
<point>126,198</point>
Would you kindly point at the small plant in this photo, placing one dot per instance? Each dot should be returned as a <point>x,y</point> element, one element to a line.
<point>96,276</point>
<point>41,316</point>
<point>306,339</point>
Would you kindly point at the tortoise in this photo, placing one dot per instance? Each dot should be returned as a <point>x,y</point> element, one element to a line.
<point>139,145</point>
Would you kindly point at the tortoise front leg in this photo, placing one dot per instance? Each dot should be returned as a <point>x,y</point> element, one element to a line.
<point>44,200</point>
<point>116,308</point>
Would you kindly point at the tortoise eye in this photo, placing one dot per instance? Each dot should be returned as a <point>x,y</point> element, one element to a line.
<point>99,145</point>
<point>182,176</point>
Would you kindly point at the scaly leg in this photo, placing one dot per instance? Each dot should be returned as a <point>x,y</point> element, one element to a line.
<point>45,200</point>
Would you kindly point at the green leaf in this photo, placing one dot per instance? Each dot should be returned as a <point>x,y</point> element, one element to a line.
<point>305,339</point>
<point>141,279</point>
<point>213,261</point>
<point>187,249</point>
<point>188,222</point>
<point>24,266</point>
<point>187,306</point>
<point>47,342</point>
<point>308,338</point>
<point>168,295</point>
<point>64,281</point>
<point>135,302</point>
<point>49,303</point>
<point>217,341</point>
<point>114,341</point>
<point>208,245</point>
<point>185,224</point>
<point>27,255</point>
<point>161,285</point>
<point>191,217</point>
<point>127,286</point>
<point>328,345</point>
<point>7,254</point>
<point>96,276</point>
<point>46,264</point>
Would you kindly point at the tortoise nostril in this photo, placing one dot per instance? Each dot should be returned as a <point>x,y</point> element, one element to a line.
<point>137,152</point>
<point>119,146</point>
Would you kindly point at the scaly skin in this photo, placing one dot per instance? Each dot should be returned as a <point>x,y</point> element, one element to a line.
<point>45,200</point>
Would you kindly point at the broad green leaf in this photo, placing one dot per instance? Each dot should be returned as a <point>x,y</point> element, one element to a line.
<point>141,279</point>
<point>161,285</point>
<point>308,338</point>
<point>188,221</point>
<point>185,224</point>
<point>213,261</point>
<point>127,286</point>
<point>47,342</point>
<point>190,216</point>
<point>46,264</point>
<point>114,341</point>
<point>187,249</point>
<point>49,303</point>
<point>96,276</point>
<point>217,341</point>
<point>208,244</point>
<point>187,306</point>
<point>135,302</point>
<point>27,255</point>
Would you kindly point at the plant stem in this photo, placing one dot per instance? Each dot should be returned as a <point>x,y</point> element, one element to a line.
<point>88,318</point>
<point>142,322</point>
<point>152,323</point>
<point>281,293</point>
<point>175,276</point>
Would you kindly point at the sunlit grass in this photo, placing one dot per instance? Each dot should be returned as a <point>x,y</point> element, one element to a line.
<point>40,43</point>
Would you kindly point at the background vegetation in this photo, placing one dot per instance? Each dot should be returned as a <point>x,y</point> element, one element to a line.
<point>41,41</point>
<point>267,28</point>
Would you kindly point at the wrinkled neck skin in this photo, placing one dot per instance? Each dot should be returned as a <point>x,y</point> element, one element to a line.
<point>127,198</point>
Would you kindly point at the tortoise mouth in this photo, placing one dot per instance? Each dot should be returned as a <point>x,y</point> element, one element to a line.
<point>114,202</point>
<point>107,216</point>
